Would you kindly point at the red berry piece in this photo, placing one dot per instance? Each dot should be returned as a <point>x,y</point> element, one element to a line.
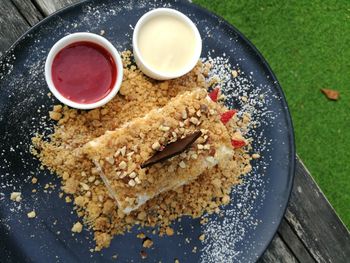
<point>214,94</point>
<point>237,144</point>
<point>226,116</point>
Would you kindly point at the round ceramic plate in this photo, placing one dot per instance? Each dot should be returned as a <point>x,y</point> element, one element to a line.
<point>243,229</point>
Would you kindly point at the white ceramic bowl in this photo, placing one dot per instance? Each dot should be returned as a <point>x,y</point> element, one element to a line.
<point>148,70</point>
<point>77,37</point>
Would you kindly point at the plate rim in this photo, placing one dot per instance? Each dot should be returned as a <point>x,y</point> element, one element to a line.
<point>277,86</point>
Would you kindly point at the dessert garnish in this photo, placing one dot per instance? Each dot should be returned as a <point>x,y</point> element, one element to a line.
<point>172,149</point>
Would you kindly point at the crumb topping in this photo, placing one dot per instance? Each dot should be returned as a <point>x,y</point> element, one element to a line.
<point>64,154</point>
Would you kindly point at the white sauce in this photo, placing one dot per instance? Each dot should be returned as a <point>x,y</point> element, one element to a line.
<point>166,43</point>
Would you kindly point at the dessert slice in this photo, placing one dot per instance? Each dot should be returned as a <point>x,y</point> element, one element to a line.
<point>119,155</point>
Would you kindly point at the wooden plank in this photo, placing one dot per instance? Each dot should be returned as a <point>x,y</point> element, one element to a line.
<point>28,11</point>
<point>294,243</point>
<point>12,25</point>
<point>48,7</point>
<point>315,222</point>
<point>278,252</point>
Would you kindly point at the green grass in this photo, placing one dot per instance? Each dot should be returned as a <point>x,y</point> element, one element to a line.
<point>307,44</point>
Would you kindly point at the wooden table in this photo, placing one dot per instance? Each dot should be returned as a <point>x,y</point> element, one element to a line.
<point>310,230</point>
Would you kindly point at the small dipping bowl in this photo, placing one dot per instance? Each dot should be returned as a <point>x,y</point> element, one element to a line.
<point>158,29</point>
<point>101,44</point>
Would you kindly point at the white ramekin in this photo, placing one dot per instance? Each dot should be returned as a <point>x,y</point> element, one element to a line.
<point>77,37</point>
<point>151,72</point>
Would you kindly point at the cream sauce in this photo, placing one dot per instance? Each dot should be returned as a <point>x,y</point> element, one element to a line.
<point>166,44</point>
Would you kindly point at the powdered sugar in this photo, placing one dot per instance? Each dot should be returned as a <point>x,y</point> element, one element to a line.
<point>224,235</point>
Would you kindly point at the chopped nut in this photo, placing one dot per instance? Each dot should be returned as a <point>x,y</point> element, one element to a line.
<point>194,120</point>
<point>164,128</point>
<point>123,151</point>
<point>16,196</point>
<point>184,114</point>
<point>244,98</point>
<point>182,164</point>
<point>91,179</point>
<point>122,165</point>
<point>110,160</point>
<point>97,182</point>
<point>84,186</point>
<point>204,131</point>
<point>77,227</point>
<point>34,180</point>
<point>206,147</point>
<point>181,124</point>
<point>132,175</point>
<point>132,183</point>
<point>156,146</point>
<point>198,113</point>
<point>200,146</point>
<point>31,214</point>
<point>194,156</point>
<point>201,237</point>
<point>137,180</point>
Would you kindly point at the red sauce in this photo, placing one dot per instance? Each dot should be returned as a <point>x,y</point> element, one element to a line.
<point>84,72</point>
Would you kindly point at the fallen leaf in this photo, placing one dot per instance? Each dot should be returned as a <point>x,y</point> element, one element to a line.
<point>331,94</point>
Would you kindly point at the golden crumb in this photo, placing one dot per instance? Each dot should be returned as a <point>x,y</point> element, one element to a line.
<point>169,231</point>
<point>201,237</point>
<point>77,227</point>
<point>147,243</point>
<point>255,156</point>
<point>31,214</point>
<point>55,115</point>
<point>234,73</point>
<point>16,196</point>
<point>141,235</point>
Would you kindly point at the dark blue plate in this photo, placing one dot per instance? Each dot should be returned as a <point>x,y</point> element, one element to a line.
<point>245,227</point>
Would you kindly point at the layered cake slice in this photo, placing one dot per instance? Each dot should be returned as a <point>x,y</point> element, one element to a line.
<point>167,148</point>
